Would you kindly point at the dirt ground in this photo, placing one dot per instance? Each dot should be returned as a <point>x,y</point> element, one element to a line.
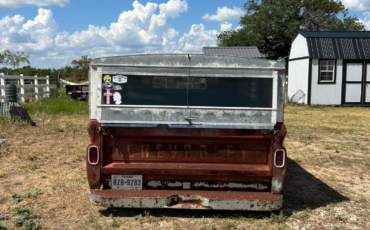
<point>43,178</point>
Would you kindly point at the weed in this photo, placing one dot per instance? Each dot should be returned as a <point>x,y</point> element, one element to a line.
<point>212,227</point>
<point>138,218</point>
<point>303,216</point>
<point>33,167</point>
<point>230,225</point>
<point>283,228</point>
<point>33,195</point>
<point>25,217</point>
<point>31,224</point>
<point>176,227</point>
<point>3,227</point>
<point>341,218</point>
<point>115,224</point>
<point>278,218</point>
<point>90,219</point>
<point>362,200</point>
<point>297,160</point>
<point>57,129</point>
<point>57,104</point>
<point>58,185</point>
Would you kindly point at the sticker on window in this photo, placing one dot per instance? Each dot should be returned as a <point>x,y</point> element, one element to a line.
<point>108,94</point>
<point>107,86</point>
<point>119,79</point>
<point>117,87</point>
<point>117,98</point>
<point>107,78</point>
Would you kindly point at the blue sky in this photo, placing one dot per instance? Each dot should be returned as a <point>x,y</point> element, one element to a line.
<point>55,32</point>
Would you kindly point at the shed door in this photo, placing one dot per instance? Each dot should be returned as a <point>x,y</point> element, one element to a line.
<point>367,84</point>
<point>353,83</point>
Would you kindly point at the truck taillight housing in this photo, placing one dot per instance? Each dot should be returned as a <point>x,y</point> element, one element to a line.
<point>93,155</point>
<point>279,159</point>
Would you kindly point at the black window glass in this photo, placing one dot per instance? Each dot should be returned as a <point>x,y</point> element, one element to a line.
<point>232,92</point>
<point>184,91</point>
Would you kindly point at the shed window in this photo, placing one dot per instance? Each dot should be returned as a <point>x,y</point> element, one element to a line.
<point>327,70</point>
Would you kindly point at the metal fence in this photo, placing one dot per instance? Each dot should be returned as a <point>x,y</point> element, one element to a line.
<point>22,86</point>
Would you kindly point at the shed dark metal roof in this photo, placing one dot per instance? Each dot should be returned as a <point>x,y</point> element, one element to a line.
<point>338,44</point>
<point>236,51</point>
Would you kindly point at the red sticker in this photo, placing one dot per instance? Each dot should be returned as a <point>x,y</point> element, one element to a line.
<point>108,94</point>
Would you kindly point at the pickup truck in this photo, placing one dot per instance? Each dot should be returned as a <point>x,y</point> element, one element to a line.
<point>186,131</point>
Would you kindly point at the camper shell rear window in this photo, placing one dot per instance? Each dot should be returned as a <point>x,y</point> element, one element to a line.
<point>187,91</point>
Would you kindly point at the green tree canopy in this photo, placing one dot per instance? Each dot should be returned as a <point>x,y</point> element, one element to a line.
<point>78,70</point>
<point>272,25</point>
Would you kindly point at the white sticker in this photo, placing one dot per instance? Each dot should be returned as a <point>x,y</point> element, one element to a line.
<point>119,79</point>
<point>117,98</point>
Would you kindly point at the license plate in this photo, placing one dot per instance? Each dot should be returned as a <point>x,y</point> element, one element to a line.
<point>128,182</point>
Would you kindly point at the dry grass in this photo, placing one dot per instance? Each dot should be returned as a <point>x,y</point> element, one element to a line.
<point>327,184</point>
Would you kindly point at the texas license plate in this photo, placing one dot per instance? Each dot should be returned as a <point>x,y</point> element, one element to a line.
<point>128,182</point>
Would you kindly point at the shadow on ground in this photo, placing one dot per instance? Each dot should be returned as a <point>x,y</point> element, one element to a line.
<point>301,191</point>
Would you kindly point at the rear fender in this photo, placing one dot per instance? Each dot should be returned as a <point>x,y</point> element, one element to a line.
<point>93,171</point>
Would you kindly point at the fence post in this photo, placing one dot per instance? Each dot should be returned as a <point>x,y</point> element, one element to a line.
<point>36,88</point>
<point>2,84</point>
<point>21,79</point>
<point>48,86</point>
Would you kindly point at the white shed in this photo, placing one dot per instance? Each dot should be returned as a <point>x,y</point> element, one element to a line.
<point>330,68</point>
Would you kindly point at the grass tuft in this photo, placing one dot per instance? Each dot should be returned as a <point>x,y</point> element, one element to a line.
<point>33,195</point>
<point>278,218</point>
<point>230,225</point>
<point>26,218</point>
<point>57,104</point>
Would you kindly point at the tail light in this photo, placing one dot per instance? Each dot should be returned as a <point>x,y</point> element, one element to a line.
<point>279,159</point>
<point>88,67</point>
<point>93,155</point>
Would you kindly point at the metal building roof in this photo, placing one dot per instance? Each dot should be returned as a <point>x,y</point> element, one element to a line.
<point>338,44</point>
<point>236,51</point>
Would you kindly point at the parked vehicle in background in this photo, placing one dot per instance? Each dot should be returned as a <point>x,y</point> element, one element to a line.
<point>78,91</point>
<point>186,132</point>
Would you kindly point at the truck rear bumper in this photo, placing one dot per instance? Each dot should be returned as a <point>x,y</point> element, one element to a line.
<point>190,199</point>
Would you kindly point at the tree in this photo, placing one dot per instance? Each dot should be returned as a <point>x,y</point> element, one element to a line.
<point>272,25</point>
<point>5,57</point>
<point>78,69</point>
<point>19,58</point>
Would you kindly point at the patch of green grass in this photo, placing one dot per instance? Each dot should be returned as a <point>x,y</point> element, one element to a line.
<point>278,218</point>
<point>230,225</point>
<point>362,200</point>
<point>341,218</point>
<point>90,219</point>
<point>26,218</point>
<point>33,195</point>
<point>3,227</point>
<point>57,104</point>
<point>3,217</point>
<point>138,218</point>
<point>212,227</point>
<point>177,227</point>
<point>115,224</point>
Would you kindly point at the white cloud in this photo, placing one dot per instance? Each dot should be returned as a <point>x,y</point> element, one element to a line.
<point>140,30</point>
<point>33,36</point>
<point>225,14</point>
<point>366,23</point>
<point>357,5</point>
<point>196,39</point>
<point>173,8</point>
<point>13,4</point>
<point>226,26</point>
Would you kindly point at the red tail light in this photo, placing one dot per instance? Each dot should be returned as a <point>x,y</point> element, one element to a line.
<point>279,158</point>
<point>88,67</point>
<point>93,155</point>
